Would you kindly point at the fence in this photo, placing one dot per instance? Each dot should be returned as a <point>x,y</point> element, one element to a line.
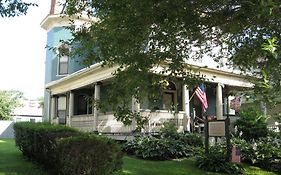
<point>6,129</point>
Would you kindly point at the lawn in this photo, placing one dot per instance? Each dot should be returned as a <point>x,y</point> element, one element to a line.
<point>13,163</point>
<point>133,166</point>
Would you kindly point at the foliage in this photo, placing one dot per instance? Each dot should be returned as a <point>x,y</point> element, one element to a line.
<point>12,162</point>
<point>12,8</point>
<point>41,102</point>
<point>264,152</point>
<point>169,131</point>
<point>9,100</point>
<point>88,154</point>
<point>43,143</point>
<point>169,144</point>
<point>149,147</point>
<point>215,161</point>
<point>38,141</point>
<point>252,124</point>
<point>141,35</point>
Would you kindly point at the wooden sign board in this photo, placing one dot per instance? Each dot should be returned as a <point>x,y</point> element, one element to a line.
<point>216,128</point>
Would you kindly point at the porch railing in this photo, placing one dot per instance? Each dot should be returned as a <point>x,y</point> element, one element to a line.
<point>108,124</point>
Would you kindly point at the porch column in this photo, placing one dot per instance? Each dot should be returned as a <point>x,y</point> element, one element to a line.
<point>219,104</point>
<point>135,109</point>
<point>70,107</point>
<point>53,110</point>
<point>96,111</point>
<point>186,109</point>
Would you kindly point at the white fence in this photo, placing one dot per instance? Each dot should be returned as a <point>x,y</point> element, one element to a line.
<point>6,129</point>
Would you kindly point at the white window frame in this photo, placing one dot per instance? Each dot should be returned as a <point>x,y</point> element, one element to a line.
<point>63,59</point>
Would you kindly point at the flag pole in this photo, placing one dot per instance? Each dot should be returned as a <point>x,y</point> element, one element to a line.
<point>191,96</point>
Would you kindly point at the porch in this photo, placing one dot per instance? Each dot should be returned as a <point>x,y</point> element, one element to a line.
<point>70,104</point>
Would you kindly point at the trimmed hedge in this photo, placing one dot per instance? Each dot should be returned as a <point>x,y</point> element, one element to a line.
<point>38,141</point>
<point>61,150</point>
<point>88,154</point>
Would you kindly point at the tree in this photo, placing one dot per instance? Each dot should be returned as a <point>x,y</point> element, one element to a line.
<point>9,100</point>
<point>141,35</point>
<point>12,8</point>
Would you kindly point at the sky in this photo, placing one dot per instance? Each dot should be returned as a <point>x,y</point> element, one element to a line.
<point>22,51</point>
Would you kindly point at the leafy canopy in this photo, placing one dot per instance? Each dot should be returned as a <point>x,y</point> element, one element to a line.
<point>12,8</point>
<point>9,100</point>
<point>141,35</point>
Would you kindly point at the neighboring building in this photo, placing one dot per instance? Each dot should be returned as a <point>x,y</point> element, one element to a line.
<point>29,111</point>
<point>68,83</point>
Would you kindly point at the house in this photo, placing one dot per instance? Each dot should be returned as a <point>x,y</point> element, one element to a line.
<point>29,111</point>
<point>67,84</point>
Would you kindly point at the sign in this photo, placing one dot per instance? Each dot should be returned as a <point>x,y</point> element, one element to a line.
<point>216,128</point>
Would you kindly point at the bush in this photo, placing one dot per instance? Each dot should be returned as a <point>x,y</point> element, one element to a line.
<point>88,155</point>
<point>252,124</point>
<point>192,139</point>
<point>215,161</point>
<point>38,141</point>
<point>169,144</point>
<point>148,147</point>
<point>264,152</point>
<point>52,146</point>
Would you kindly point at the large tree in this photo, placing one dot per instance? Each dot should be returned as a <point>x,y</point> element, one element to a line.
<point>139,35</point>
<point>12,8</point>
<point>9,100</point>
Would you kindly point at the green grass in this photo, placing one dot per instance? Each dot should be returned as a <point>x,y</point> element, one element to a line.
<point>133,166</point>
<point>13,163</point>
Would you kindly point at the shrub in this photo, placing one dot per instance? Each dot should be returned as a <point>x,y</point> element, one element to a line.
<point>52,146</point>
<point>264,152</point>
<point>88,155</point>
<point>169,131</point>
<point>215,161</point>
<point>252,124</point>
<point>37,141</point>
<point>192,139</point>
<point>170,144</point>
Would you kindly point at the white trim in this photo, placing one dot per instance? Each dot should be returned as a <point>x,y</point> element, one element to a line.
<point>59,20</point>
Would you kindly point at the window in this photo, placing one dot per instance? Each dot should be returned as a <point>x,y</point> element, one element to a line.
<point>168,100</point>
<point>231,111</point>
<point>83,104</point>
<point>169,96</point>
<point>63,59</point>
<point>61,112</point>
<point>63,65</point>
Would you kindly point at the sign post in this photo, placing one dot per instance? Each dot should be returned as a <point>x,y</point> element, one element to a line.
<point>227,122</point>
<point>218,128</point>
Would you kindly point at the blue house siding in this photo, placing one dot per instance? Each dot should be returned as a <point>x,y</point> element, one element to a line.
<point>55,36</point>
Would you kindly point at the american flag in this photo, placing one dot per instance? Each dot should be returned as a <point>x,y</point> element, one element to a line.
<point>201,94</point>
<point>235,103</point>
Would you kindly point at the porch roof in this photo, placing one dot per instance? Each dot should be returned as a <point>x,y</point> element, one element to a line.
<point>81,78</point>
<point>97,72</point>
